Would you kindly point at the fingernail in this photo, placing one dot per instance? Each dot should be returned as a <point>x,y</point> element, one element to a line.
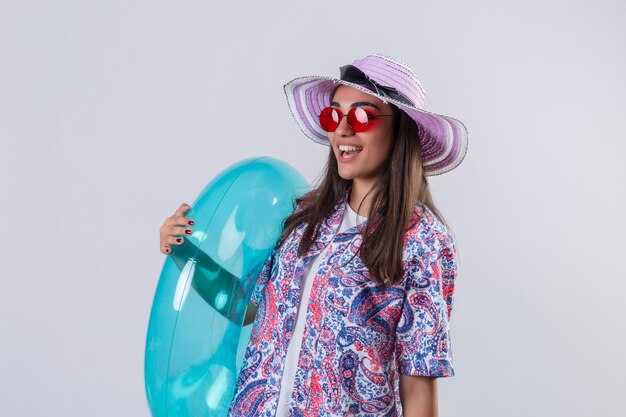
<point>179,240</point>
<point>188,231</point>
<point>167,250</point>
<point>191,223</point>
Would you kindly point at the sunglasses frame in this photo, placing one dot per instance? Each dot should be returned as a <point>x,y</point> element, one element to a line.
<point>351,115</point>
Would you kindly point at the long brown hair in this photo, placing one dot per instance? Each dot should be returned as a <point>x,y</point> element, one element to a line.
<point>399,188</point>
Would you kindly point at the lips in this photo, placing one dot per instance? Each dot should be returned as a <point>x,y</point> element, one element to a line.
<point>348,151</point>
<point>345,156</point>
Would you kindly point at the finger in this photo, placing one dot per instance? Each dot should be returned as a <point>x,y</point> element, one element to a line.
<point>182,221</point>
<point>179,219</point>
<point>182,209</point>
<point>166,249</point>
<point>174,240</point>
<point>174,221</point>
<point>186,231</point>
<point>175,231</point>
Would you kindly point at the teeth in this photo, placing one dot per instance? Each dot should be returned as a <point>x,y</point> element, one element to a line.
<point>350,148</point>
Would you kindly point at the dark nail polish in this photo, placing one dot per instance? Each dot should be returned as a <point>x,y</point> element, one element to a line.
<point>191,223</point>
<point>188,231</point>
<point>179,240</point>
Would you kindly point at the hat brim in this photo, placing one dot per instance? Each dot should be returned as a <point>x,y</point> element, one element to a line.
<point>443,139</point>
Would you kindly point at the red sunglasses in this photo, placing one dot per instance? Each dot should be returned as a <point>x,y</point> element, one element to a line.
<point>358,118</point>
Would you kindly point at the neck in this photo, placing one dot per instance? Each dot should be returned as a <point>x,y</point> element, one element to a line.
<point>360,187</point>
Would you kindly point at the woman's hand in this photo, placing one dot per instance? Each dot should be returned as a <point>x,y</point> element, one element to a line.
<point>209,279</point>
<point>174,228</point>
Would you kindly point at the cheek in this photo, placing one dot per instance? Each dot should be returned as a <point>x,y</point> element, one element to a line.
<point>381,148</point>
<point>377,154</point>
<point>374,125</point>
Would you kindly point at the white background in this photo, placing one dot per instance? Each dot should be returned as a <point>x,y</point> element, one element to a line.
<point>112,113</point>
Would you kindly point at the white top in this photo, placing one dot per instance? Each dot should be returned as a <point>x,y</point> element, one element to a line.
<point>350,219</point>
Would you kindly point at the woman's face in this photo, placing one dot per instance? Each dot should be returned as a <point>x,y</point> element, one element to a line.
<point>374,145</point>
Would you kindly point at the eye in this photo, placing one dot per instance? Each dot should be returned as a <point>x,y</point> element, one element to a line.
<point>329,118</point>
<point>370,114</point>
<point>361,115</point>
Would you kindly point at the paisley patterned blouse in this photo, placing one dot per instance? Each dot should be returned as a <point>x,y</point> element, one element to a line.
<point>357,338</point>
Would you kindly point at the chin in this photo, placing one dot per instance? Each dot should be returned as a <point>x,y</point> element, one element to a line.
<point>347,174</point>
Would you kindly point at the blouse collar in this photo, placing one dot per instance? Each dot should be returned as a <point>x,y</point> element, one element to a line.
<point>331,224</point>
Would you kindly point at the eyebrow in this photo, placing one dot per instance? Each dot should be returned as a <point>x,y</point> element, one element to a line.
<point>357,104</point>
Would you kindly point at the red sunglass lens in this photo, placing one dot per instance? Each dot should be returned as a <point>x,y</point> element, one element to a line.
<point>358,118</point>
<point>329,119</point>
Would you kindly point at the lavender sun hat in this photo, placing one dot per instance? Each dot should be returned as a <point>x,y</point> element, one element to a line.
<point>443,139</point>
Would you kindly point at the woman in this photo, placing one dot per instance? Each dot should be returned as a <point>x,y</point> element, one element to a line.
<point>355,300</point>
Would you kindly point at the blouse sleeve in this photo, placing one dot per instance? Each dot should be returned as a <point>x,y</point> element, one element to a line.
<point>264,277</point>
<point>266,271</point>
<point>423,332</point>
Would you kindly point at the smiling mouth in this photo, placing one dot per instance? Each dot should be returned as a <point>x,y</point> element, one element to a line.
<point>350,147</point>
<point>347,151</point>
<point>345,156</point>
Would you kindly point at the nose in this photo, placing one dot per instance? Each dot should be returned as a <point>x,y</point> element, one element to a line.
<point>344,128</point>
